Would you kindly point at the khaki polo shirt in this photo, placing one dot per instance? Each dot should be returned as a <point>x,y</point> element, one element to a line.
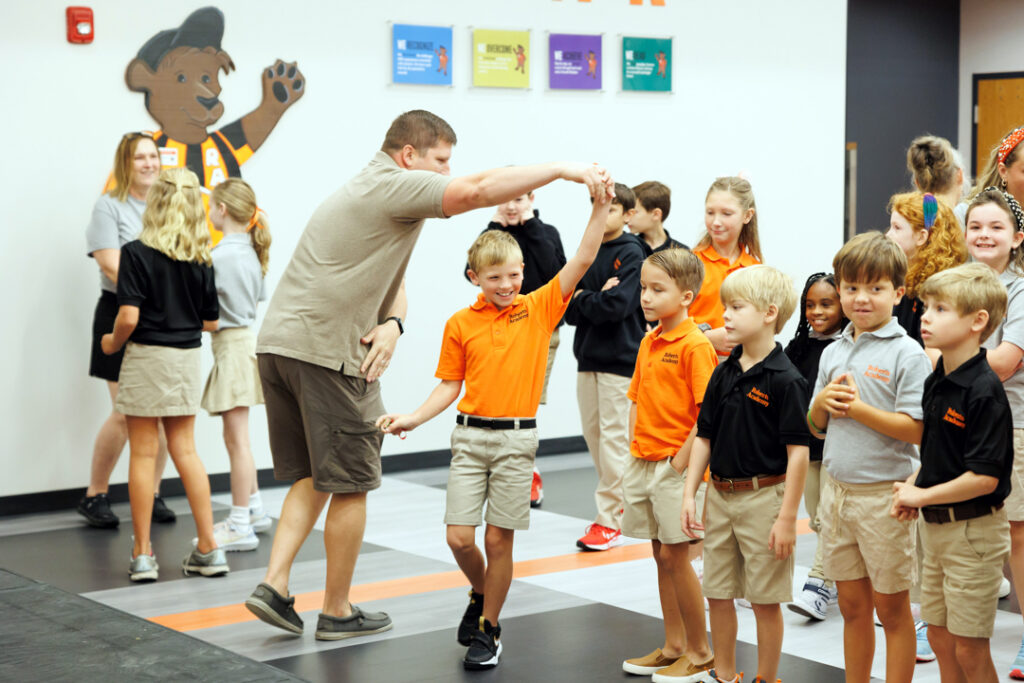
<point>348,265</point>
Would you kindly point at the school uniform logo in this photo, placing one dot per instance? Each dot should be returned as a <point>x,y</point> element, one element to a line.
<point>878,373</point>
<point>518,315</point>
<point>954,418</point>
<point>669,357</point>
<point>758,396</point>
<point>615,266</point>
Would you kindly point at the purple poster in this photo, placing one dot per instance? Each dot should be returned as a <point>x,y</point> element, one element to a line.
<point>574,61</point>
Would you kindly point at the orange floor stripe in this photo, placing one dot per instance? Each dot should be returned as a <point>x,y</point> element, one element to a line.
<point>381,590</point>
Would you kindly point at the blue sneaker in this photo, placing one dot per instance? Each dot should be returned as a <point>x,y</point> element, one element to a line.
<point>1017,672</point>
<point>924,648</point>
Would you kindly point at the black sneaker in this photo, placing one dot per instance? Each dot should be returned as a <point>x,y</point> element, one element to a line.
<point>471,618</point>
<point>96,510</point>
<point>484,648</point>
<point>161,513</point>
<point>271,607</point>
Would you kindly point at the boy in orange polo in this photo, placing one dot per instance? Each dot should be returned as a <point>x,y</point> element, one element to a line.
<point>673,366</point>
<point>498,347</point>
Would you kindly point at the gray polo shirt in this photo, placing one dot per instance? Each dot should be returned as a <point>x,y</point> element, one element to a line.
<point>113,224</point>
<point>348,265</point>
<point>239,278</point>
<point>889,369</point>
<point>1012,330</point>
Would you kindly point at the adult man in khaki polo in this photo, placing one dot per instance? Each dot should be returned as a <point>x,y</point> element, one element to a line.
<point>329,333</point>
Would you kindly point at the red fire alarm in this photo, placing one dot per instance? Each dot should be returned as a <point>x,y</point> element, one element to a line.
<point>80,25</point>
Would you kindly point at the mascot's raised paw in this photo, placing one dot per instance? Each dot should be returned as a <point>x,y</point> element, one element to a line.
<point>284,83</point>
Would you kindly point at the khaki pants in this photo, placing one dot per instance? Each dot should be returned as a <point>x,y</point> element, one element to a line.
<point>604,414</point>
<point>813,485</point>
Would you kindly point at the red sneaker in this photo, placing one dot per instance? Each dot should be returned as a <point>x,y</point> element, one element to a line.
<point>536,490</point>
<point>599,538</point>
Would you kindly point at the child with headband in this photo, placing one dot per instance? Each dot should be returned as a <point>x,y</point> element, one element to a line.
<point>239,263</point>
<point>1005,167</point>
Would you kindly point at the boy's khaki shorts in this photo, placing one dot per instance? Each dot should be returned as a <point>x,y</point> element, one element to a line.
<point>1014,503</point>
<point>492,465</point>
<point>652,493</point>
<point>859,538</point>
<point>737,561</point>
<point>963,565</point>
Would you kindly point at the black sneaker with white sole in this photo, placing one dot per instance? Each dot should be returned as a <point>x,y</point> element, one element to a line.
<point>96,510</point>
<point>273,608</point>
<point>484,647</point>
<point>471,618</point>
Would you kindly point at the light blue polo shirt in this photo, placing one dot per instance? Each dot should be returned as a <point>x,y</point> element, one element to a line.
<point>239,279</point>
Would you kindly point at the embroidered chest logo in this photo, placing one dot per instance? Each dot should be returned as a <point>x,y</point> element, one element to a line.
<point>518,315</point>
<point>878,373</point>
<point>670,357</point>
<point>617,264</point>
<point>954,418</point>
<point>758,396</point>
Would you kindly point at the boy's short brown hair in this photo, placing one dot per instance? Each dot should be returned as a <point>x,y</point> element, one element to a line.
<point>624,197</point>
<point>969,288</point>
<point>868,257</point>
<point>762,286</point>
<point>682,265</point>
<point>493,248</point>
<point>654,195</point>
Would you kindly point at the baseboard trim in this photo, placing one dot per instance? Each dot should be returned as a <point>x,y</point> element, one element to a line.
<point>50,501</point>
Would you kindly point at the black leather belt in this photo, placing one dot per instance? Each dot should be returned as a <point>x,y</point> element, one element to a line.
<point>957,513</point>
<point>495,423</point>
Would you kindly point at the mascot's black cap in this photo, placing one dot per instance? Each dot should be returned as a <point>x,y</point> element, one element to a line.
<point>202,28</point>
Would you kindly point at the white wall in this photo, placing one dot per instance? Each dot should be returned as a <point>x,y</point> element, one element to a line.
<point>989,43</point>
<point>758,86</point>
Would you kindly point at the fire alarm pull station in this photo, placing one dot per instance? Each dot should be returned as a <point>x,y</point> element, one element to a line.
<point>80,25</point>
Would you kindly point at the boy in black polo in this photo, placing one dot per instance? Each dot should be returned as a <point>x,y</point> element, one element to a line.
<point>966,460</point>
<point>752,431</point>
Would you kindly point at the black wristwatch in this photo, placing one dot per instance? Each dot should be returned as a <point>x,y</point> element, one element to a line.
<point>401,328</point>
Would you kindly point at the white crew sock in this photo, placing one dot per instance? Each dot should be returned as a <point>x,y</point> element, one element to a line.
<point>240,517</point>
<point>256,505</point>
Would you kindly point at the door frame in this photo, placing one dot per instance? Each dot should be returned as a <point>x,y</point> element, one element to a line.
<point>976,79</point>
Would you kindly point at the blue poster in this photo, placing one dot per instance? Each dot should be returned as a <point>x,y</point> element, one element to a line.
<point>421,54</point>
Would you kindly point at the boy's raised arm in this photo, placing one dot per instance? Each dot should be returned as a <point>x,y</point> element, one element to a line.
<point>499,185</point>
<point>576,266</point>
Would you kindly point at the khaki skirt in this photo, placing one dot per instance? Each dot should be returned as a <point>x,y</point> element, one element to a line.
<point>234,380</point>
<point>158,381</point>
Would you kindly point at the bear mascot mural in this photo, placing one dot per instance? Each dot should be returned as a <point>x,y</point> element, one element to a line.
<point>178,70</point>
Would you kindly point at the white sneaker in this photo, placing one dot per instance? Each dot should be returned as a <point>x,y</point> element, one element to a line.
<point>231,538</point>
<point>813,600</point>
<point>698,568</point>
<point>743,602</point>
<point>1004,588</point>
<point>261,523</point>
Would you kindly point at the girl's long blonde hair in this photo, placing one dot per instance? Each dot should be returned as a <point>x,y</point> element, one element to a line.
<point>945,247</point>
<point>990,176</point>
<point>240,200</point>
<point>744,194</point>
<point>174,222</point>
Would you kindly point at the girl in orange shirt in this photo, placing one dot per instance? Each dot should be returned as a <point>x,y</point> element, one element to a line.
<point>729,243</point>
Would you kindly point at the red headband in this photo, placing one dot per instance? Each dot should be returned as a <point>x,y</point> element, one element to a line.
<point>1009,143</point>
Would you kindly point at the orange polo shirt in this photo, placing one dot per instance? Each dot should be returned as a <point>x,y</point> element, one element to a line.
<point>672,371</point>
<point>707,307</point>
<point>502,355</point>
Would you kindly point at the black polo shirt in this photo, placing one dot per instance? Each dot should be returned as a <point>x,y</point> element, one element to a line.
<point>750,417</point>
<point>174,297</point>
<point>968,427</point>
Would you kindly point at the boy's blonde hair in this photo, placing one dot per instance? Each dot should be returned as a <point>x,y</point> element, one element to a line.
<point>868,257</point>
<point>969,288</point>
<point>493,248</point>
<point>240,201</point>
<point>174,222</point>
<point>682,265</point>
<point>762,286</point>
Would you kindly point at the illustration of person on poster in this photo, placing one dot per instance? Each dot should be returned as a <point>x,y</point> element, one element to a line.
<point>591,64</point>
<point>662,63</point>
<point>520,59</point>
<point>442,59</point>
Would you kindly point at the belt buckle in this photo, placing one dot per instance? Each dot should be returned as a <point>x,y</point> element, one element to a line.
<point>732,485</point>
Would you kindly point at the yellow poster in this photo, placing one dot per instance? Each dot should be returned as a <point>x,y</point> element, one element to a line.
<point>501,59</point>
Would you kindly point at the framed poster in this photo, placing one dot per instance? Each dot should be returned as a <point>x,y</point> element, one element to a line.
<point>647,64</point>
<point>501,59</point>
<point>574,61</point>
<point>421,54</point>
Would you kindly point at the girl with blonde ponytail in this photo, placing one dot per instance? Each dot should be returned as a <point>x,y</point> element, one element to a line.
<point>240,262</point>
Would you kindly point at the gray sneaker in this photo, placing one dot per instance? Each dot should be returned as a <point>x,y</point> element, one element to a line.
<point>359,623</point>
<point>213,563</point>
<point>143,568</point>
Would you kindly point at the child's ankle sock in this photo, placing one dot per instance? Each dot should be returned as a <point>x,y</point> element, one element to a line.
<point>256,504</point>
<point>240,517</point>
<point>738,678</point>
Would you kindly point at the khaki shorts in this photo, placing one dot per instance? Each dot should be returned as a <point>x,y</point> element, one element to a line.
<point>321,425</point>
<point>963,566</point>
<point>860,540</point>
<point>493,466</point>
<point>737,560</point>
<point>1014,503</point>
<point>158,381</point>
<point>652,493</point>
<point>234,381</point>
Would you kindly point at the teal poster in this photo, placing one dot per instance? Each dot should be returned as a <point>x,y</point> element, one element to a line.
<point>421,54</point>
<point>647,64</point>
